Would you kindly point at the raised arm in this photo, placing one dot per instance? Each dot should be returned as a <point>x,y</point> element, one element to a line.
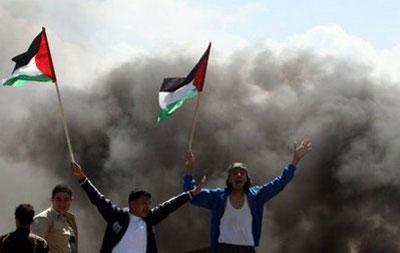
<point>188,181</point>
<point>104,205</point>
<point>270,189</point>
<point>161,211</point>
<point>205,197</point>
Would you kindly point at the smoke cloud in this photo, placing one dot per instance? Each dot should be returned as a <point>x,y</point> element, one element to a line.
<point>255,105</point>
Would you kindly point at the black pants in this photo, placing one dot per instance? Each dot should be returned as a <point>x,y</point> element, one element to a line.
<point>229,248</point>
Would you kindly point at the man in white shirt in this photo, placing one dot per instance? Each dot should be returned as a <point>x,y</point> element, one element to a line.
<point>130,230</point>
<point>237,210</point>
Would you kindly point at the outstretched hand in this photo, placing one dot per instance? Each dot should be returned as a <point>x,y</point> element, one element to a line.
<point>77,171</point>
<point>300,150</point>
<point>200,186</point>
<point>189,161</point>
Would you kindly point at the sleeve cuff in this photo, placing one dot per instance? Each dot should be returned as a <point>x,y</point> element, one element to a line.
<point>188,178</point>
<point>84,181</point>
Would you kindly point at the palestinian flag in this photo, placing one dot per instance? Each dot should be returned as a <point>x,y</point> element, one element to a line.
<point>175,91</point>
<point>33,65</point>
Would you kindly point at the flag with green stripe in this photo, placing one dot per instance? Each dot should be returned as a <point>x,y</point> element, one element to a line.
<point>33,65</point>
<point>176,90</point>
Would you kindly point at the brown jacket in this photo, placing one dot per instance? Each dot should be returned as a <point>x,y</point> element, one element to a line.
<point>60,231</point>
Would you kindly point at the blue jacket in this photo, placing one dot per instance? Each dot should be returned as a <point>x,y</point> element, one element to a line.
<point>215,200</point>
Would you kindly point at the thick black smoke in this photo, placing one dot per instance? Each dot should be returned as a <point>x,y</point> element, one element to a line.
<point>344,197</point>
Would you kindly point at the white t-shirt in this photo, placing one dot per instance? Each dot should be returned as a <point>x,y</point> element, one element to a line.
<point>135,238</point>
<point>236,225</point>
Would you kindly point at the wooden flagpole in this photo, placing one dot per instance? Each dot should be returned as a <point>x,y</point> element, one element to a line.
<point>201,80</point>
<point>64,120</point>
<point>194,122</point>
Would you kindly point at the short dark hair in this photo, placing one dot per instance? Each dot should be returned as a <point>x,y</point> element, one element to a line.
<point>61,188</point>
<point>24,214</point>
<point>135,194</point>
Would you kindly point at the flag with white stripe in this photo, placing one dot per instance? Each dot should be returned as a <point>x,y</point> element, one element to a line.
<point>176,90</point>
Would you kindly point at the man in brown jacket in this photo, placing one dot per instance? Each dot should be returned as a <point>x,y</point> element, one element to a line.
<point>56,224</point>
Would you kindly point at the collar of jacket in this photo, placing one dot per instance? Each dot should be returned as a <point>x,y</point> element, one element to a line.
<point>53,212</point>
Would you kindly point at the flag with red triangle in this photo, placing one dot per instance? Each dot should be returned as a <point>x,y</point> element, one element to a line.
<point>175,91</point>
<point>33,65</point>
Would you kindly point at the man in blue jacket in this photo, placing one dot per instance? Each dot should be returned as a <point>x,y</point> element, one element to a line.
<point>237,210</point>
<point>130,230</point>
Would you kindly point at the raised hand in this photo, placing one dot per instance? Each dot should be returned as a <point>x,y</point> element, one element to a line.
<point>300,150</point>
<point>189,161</point>
<point>77,171</point>
<point>200,186</point>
